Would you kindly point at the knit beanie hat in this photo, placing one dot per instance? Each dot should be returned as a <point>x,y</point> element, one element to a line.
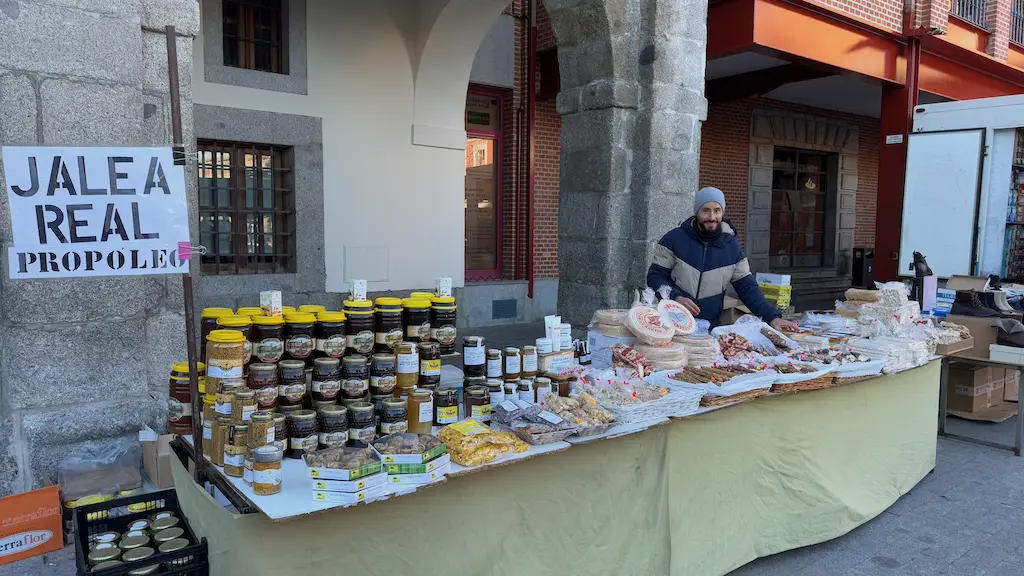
<point>709,194</point>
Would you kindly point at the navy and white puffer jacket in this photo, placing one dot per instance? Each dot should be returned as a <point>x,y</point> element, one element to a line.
<point>702,272</point>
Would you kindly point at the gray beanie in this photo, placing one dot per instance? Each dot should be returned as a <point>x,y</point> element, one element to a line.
<point>709,194</point>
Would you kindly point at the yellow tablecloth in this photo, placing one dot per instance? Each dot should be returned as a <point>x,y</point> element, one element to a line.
<point>698,496</point>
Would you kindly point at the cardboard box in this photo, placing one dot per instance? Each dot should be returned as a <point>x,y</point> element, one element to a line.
<point>351,486</point>
<point>968,398</point>
<point>30,525</point>
<point>350,498</point>
<point>1008,354</point>
<point>1011,385</point>
<point>425,478</point>
<point>983,332</point>
<point>995,397</point>
<point>948,349</point>
<point>442,460</point>
<point>156,460</point>
<point>775,279</point>
<point>971,375</point>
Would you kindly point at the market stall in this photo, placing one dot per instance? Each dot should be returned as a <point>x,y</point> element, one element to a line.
<point>698,495</point>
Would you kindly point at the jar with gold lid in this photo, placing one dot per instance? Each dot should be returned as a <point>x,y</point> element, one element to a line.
<point>355,377</point>
<point>361,427</point>
<point>421,411</point>
<point>382,374</point>
<point>407,365</point>
<point>430,363</point>
<point>513,364</point>
<point>446,406</point>
<point>302,432</point>
<point>394,416</point>
<point>529,357</point>
<point>292,388</point>
<point>264,381</point>
<point>333,427</point>
<point>242,406</point>
<point>326,378</point>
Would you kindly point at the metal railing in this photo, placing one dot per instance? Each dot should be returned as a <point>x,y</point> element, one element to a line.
<point>1017,22</point>
<point>971,10</point>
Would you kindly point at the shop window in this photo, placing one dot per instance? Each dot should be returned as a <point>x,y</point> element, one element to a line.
<point>246,208</point>
<point>483,186</point>
<point>253,35</point>
<point>803,208</point>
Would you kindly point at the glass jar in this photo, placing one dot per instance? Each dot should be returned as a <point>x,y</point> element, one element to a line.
<point>333,423</point>
<point>313,309</point>
<point>496,389</point>
<point>326,378</point>
<point>292,388</point>
<point>359,327</point>
<point>235,450</point>
<point>525,391</point>
<point>264,381</point>
<point>422,295</point>
<point>242,406</point>
<point>430,363</point>
<point>513,364</point>
<point>494,367</point>
<point>266,470</point>
<point>544,346</point>
<point>179,397</point>
<point>446,406</point>
<point>225,356</point>
<point>348,402</point>
<point>407,369</point>
<point>220,440</point>
<point>529,356</point>
<point>238,324</point>
<point>330,334</point>
<point>355,377</point>
<point>474,356</point>
<point>478,404</point>
<point>442,323</point>
<point>382,374</point>
<point>266,335</point>
<point>421,411</point>
<point>511,389</point>
<point>286,310</point>
<point>378,402</point>
<point>361,428</point>
<point>209,419</point>
<point>298,336</point>
<point>225,398</point>
<point>261,429</point>
<point>541,389</point>
<point>302,433</point>
<point>281,429</point>
<point>208,324</point>
<point>318,405</point>
<point>416,319</point>
<point>387,324</point>
<point>250,311</point>
<point>394,417</point>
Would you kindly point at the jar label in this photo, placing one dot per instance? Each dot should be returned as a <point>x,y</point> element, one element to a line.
<point>207,432</point>
<point>394,427</point>
<point>328,388</point>
<point>333,438</point>
<point>223,372</point>
<point>408,363</point>
<point>247,354</point>
<point>426,412</point>
<point>293,392</point>
<point>512,365</point>
<point>247,472</point>
<point>270,476</point>
<point>266,396</point>
<point>299,347</point>
<point>530,363</point>
<point>430,368</point>
<point>307,444</point>
<point>384,384</point>
<point>334,345</point>
<point>176,409</point>
<point>247,412</point>
<point>271,435</point>
<point>354,387</point>
<point>236,460</point>
<point>494,368</point>
<point>363,434</point>
<point>361,342</point>
<point>413,332</point>
<point>481,412</point>
<point>474,356</point>
<point>444,334</point>
<point>393,338</point>
<point>269,350</point>
<point>447,415</point>
<point>526,396</point>
<point>223,408</point>
<point>424,333</point>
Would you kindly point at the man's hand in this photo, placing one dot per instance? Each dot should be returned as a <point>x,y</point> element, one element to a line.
<point>780,324</point>
<point>689,305</point>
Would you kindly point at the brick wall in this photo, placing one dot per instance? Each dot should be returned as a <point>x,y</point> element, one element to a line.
<point>885,13</point>
<point>725,140</point>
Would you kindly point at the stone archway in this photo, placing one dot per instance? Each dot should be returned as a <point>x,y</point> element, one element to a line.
<point>632,100</point>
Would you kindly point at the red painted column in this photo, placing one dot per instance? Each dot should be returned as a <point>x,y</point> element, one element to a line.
<point>898,104</point>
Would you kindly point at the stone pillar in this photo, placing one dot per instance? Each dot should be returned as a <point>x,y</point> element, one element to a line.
<point>925,16</point>
<point>632,75</point>
<point>86,359</point>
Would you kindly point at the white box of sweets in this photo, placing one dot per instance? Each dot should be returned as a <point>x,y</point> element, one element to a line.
<point>773,279</point>
<point>351,486</point>
<point>427,478</point>
<point>350,497</point>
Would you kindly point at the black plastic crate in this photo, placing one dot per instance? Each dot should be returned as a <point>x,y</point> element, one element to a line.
<point>193,560</point>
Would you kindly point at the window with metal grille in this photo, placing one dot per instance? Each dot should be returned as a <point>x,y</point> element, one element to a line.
<point>971,10</point>
<point>1017,22</point>
<point>802,191</point>
<point>246,208</point>
<point>253,35</point>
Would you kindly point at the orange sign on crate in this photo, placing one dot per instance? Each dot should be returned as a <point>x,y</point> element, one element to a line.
<point>30,525</point>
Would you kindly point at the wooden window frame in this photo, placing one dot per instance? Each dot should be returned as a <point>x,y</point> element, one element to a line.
<point>241,257</point>
<point>828,178</point>
<point>241,21</point>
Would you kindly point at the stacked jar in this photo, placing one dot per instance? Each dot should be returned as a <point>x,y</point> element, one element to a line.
<point>250,311</point>
<point>416,319</point>
<point>240,324</point>
<point>359,328</point>
<point>266,335</point>
<point>225,352</point>
<point>387,324</point>
<point>298,336</point>
<point>179,397</point>
<point>442,323</point>
<point>474,356</point>
<point>330,335</point>
<point>209,324</point>
<point>264,381</point>
<point>313,309</point>
<point>407,366</point>
<point>430,364</point>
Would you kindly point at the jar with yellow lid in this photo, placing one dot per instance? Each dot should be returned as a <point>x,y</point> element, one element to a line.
<point>299,328</point>
<point>266,336</point>
<point>288,310</point>
<point>387,324</point>
<point>442,323</point>
<point>225,357</point>
<point>331,340</point>
<point>312,309</point>
<point>416,319</point>
<point>428,296</point>
<point>240,324</point>
<point>179,397</point>
<point>359,326</point>
<point>250,311</point>
<point>208,324</point>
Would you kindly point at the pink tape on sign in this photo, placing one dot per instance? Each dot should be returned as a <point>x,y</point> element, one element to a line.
<point>184,251</point>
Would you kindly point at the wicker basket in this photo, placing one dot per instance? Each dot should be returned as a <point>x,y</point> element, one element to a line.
<point>709,401</point>
<point>679,402</point>
<point>838,381</point>
<point>819,383</point>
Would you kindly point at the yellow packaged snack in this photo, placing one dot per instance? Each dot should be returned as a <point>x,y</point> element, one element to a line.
<point>470,443</point>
